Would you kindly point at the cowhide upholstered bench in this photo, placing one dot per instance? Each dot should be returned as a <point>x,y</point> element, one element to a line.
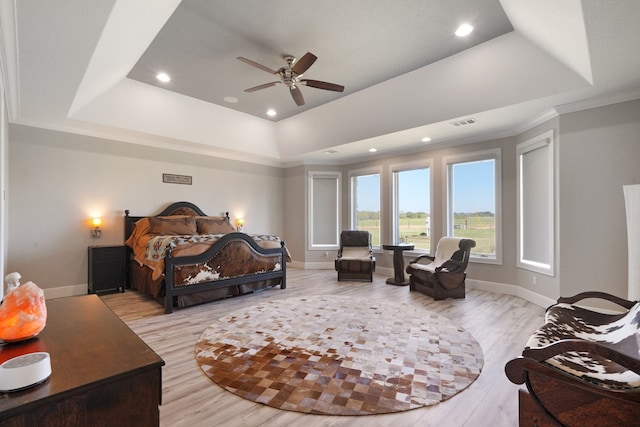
<point>582,367</point>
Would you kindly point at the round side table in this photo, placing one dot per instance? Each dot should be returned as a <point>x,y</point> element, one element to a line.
<point>398,263</point>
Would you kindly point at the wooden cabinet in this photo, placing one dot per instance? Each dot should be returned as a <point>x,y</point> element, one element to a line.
<point>107,269</point>
<point>102,373</point>
<point>531,415</point>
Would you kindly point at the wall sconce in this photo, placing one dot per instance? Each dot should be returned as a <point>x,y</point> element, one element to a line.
<point>240,224</point>
<point>96,232</point>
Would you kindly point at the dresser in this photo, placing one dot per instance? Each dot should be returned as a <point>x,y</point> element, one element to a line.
<point>102,373</point>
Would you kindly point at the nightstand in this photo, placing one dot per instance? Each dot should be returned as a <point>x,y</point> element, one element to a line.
<point>106,269</point>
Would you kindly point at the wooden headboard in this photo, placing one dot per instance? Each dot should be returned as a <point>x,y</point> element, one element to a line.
<point>177,208</point>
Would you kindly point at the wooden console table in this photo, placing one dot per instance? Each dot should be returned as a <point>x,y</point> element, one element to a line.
<point>398,262</point>
<point>102,373</point>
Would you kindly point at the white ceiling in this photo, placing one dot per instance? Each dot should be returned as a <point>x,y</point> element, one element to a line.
<point>84,66</point>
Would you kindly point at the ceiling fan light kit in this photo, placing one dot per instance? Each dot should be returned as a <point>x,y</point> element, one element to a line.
<point>291,76</point>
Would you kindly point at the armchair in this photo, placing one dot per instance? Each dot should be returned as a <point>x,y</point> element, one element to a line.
<point>355,259</point>
<point>581,367</point>
<point>444,276</point>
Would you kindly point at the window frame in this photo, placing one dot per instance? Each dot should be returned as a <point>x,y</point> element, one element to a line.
<point>353,220</point>
<point>405,167</point>
<point>476,156</point>
<point>544,140</point>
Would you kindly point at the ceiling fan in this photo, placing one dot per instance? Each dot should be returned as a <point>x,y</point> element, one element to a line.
<point>291,76</point>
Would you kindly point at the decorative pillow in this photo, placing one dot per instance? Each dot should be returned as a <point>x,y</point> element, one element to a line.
<point>173,225</point>
<point>214,225</point>
<point>140,228</point>
<point>355,252</point>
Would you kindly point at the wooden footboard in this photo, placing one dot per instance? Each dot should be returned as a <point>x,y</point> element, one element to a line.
<point>233,260</point>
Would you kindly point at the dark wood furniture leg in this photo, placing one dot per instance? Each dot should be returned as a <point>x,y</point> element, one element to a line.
<point>398,264</point>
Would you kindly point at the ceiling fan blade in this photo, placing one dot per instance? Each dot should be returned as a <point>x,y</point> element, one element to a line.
<point>304,63</point>
<point>255,64</point>
<point>263,86</point>
<point>297,95</point>
<point>322,85</point>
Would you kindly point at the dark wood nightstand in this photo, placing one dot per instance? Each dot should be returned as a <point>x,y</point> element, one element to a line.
<point>107,269</point>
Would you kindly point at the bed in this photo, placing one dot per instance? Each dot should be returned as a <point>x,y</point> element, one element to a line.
<point>182,257</point>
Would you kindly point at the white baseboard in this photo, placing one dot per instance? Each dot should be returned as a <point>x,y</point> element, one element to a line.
<point>383,271</point>
<point>65,291</point>
<point>503,288</point>
<point>324,265</point>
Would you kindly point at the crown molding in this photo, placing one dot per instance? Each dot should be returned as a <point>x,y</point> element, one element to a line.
<point>599,101</point>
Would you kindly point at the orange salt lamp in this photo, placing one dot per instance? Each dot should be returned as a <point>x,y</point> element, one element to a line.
<point>23,313</point>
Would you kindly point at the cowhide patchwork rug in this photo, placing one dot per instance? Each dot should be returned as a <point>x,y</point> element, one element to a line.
<point>337,355</point>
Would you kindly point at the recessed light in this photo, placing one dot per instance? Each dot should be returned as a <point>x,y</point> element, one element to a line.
<point>464,30</point>
<point>426,139</point>
<point>330,152</point>
<point>230,99</point>
<point>163,77</point>
<point>271,112</point>
<point>373,150</point>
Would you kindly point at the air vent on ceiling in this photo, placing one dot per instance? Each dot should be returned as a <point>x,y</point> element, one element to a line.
<point>465,122</point>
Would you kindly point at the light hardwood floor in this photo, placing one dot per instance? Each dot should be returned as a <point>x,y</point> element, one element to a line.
<point>500,323</point>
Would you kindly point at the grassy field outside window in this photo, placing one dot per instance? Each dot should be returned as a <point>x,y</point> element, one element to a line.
<point>477,226</point>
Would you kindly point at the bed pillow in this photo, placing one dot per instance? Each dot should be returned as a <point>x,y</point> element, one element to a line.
<point>173,225</point>
<point>140,228</point>
<point>214,225</point>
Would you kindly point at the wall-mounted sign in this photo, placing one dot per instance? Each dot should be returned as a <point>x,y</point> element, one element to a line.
<point>176,179</point>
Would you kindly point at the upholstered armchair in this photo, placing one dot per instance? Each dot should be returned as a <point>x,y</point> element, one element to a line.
<point>355,259</point>
<point>443,275</point>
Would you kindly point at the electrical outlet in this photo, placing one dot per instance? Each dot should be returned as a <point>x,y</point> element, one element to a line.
<point>326,254</point>
<point>533,280</point>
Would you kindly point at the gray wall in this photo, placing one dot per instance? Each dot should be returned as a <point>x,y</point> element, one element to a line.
<point>599,153</point>
<point>59,181</point>
<point>4,180</point>
<point>295,213</point>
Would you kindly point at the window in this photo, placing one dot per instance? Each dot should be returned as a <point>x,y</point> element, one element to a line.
<point>412,206</point>
<point>324,210</point>
<point>365,203</point>
<point>473,202</point>
<point>536,204</point>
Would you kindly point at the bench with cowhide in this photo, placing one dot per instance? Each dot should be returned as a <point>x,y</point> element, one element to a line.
<point>582,367</point>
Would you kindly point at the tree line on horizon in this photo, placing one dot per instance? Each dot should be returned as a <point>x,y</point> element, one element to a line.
<point>368,215</point>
